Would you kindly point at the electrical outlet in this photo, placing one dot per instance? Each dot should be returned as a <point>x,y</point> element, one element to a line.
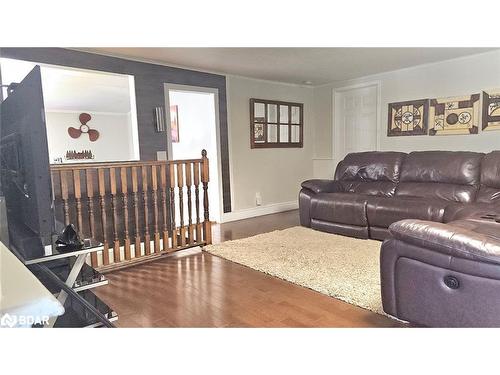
<point>258,199</point>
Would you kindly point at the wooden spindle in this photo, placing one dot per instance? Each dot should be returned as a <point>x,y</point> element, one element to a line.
<point>196,172</point>
<point>135,196</point>
<point>147,237</point>
<point>173,224</point>
<point>163,173</point>
<point>135,199</point>
<point>78,199</point>
<point>90,200</point>
<point>154,190</point>
<point>124,188</point>
<point>190,208</point>
<point>102,201</point>
<point>64,196</point>
<point>180,186</point>
<point>207,228</point>
<point>116,240</point>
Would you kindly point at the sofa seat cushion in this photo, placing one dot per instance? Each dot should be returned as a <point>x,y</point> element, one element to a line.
<point>382,212</point>
<point>463,211</point>
<point>344,208</point>
<point>482,225</point>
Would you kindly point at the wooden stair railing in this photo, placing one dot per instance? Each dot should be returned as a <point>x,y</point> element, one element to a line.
<point>138,210</point>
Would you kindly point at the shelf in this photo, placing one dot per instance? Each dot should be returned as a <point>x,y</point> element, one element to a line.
<point>82,307</point>
<point>87,279</point>
<point>77,315</point>
<point>58,252</point>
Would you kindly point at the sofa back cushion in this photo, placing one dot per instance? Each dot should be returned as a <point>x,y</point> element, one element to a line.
<point>489,189</point>
<point>437,190</point>
<point>448,175</point>
<point>370,173</point>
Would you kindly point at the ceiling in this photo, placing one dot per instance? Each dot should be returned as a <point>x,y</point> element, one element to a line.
<point>67,89</point>
<point>293,65</point>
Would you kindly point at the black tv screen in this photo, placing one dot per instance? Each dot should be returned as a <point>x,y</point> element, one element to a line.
<point>24,165</point>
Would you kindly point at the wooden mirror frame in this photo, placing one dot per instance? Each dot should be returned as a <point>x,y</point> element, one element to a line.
<point>278,123</point>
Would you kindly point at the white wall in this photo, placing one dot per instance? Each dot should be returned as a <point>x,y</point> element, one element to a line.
<point>276,173</point>
<point>456,77</point>
<point>115,143</point>
<point>197,131</point>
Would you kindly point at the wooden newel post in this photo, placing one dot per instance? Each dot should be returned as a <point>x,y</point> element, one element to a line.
<point>207,226</point>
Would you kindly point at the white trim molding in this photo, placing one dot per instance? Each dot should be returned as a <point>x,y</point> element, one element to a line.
<point>259,211</point>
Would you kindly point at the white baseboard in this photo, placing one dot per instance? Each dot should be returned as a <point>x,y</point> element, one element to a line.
<point>259,211</point>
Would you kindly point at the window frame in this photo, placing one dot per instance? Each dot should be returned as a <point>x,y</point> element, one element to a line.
<point>278,123</point>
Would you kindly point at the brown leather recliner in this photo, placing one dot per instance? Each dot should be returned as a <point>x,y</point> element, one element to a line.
<point>440,264</point>
<point>443,275</point>
<point>340,205</point>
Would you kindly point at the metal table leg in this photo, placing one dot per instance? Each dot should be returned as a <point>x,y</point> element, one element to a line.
<point>70,281</point>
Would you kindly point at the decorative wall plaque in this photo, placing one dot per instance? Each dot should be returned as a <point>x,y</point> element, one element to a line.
<point>84,118</point>
<point>491,110</point>
<point>408,118</point>
<point>79,155</point>
<point>458,115</point>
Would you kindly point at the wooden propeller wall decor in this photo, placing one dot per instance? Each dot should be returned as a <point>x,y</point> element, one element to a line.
<point>84,128</point>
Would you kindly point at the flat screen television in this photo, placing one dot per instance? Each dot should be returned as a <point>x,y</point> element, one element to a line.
<point>24,167</point>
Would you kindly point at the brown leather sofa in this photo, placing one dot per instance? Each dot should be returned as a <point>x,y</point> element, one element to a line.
<point>372,190</point>
<point>440,215</point>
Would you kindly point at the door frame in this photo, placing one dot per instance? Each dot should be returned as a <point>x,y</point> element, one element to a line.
<point>210,90</point>
<point>336,155</point>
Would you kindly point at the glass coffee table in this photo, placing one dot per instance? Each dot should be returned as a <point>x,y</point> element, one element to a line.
<point>65,273</point>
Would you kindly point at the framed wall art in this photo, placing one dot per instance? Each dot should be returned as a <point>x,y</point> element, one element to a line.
<point>174,123</point>
<point>407,118</point>
<point>491,110</point>
<point>276,124</point>
<point>451,116</point>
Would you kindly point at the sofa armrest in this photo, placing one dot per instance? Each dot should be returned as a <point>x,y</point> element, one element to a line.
<point>448,239</point>
<point>322,186</point>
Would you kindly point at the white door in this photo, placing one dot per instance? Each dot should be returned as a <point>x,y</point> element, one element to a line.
<point>355,125</point>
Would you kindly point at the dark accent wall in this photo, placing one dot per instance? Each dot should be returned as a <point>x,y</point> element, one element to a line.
<point>149,89</point>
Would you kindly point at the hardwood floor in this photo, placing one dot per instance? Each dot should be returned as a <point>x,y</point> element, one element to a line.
<point>196,289</point>
<point>251,227</point>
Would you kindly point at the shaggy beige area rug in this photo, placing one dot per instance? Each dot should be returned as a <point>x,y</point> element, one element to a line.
<point>342,267</point>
